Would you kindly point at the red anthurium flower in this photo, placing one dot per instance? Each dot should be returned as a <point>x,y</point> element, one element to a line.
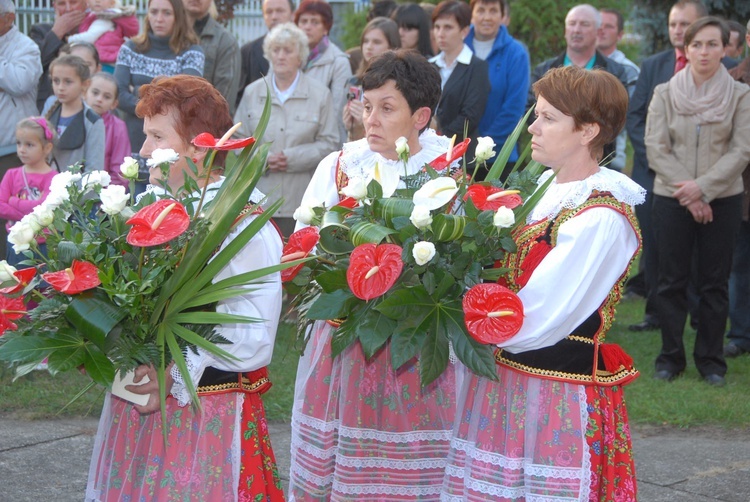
<point>81,276</point>
<point>158,223</point>
<point>492,198</point>
<point>23,278</point>
<point>207,140</point>
<point>443,161</point>
<point>299,246</point>
<point>348,202</point>
<point>373,269</point>
<point>492,313</point>
<point>10,309</point>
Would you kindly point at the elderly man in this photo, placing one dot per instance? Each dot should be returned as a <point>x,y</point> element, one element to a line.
<point>20,69</point>
<point>51,37</point>
<point>611,32</point>
<point>222,66</point>
<point>582,25</point>
<point>254,65</point>
<point>737,34</point>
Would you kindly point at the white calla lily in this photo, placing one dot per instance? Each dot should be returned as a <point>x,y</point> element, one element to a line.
<point>436,193</point>
<point>388,178</point>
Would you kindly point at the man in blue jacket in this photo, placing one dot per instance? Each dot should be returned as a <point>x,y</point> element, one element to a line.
<point>508,69</point>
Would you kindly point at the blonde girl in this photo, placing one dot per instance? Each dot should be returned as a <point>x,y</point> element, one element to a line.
<point>23,188</point>
<point>80,129</point>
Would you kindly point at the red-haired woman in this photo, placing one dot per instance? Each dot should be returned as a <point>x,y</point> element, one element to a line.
<point>554,425</point>
<point>222,450</point>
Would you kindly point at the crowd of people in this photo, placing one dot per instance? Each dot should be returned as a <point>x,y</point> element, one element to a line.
<point>93,87</point>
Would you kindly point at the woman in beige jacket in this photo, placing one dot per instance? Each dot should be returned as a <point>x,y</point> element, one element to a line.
<point>303,126</point>
<point>697,134</point>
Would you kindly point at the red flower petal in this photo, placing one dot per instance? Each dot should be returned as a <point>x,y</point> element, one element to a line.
<point>81,276</point>
<point>24,277</point>
<point>373,269</point>
<point>480,193</point>
<point>299,246</point>
<point>174,223</point>
<point>207,140</point>
<point>441,162</point>
<point>492,313</point>
<point>348,202</point>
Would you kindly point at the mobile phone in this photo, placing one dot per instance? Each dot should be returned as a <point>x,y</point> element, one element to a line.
<point>355,93</point>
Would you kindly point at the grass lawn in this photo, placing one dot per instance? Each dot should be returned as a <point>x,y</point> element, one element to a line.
<point>687,402</point>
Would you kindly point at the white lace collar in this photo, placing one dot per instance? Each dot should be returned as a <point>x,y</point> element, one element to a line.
<point>575,193</point>
<point>211,190</point>
<point>357,160</point>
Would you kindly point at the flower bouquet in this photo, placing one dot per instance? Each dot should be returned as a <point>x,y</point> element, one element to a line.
<point>128,283</point>
<point>405,258</point>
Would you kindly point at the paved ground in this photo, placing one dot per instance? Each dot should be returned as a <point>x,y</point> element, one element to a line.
<point>48,461</point>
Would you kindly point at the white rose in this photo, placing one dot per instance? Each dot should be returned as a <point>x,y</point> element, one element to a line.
<point>420,216</point>
<point>21,234</point>
<point>304,214</point>
<point>129,168</point>
<point>6,272</point>
<point>31,221</point>
<point>423,252</point>
<point>162,155</point>
<point>63,180</point>
<point>93,178</point>
<point>356,188</point>
<point>114,199</point>
<point>485,149</point>
<point>504,217</point>
<point>44,215</point>
<point>402,146</point>
<point>56,198</point>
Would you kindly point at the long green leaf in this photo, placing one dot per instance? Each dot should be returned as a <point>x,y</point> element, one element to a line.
<point>94,316</point>
<point>502,158</point>
<point>98,367</point>
<point>211,318</point>
<point>448,227</point>
<point>433,356</point>
<point>365,232</point>
<point>391,208</point>
<point>193,338</point>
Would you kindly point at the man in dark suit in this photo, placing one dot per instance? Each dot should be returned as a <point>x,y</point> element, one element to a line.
<point>254,64</point>
<point>582,25</point>
<point>50,38</point>
<point>655,70</point>
<point>464,78</point>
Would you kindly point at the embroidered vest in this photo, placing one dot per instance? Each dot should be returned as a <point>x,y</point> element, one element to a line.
<point>582,357</point>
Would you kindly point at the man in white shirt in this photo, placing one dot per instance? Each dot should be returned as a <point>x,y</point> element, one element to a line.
<point>610,32</point>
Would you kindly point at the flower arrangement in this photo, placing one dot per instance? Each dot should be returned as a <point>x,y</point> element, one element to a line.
<point>405,258</point>
<point>128,283</point>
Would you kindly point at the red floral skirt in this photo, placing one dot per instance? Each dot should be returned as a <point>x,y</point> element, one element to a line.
<point>222,453</point>
<point>527,438</point>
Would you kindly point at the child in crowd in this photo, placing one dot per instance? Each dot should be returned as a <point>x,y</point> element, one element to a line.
<point>106,25</point>
<point>101,96</point>
<point>85,51</point>
<point>80,129</point>
<point>23,188</point>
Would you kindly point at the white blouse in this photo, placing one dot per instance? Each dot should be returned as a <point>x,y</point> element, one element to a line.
<point>592,252</point>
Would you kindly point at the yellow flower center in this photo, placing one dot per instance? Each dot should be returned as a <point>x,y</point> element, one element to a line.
<point>228,134</point>
<point>441,189</point>
<point>293,256</point>
<point>70,274</point>
<point>159,219</point>
<point>371,272</point>
<point>500,313</point>
<point>503,193</point>
<point>450,147</point>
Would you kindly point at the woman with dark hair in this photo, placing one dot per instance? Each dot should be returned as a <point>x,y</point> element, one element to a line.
<point>167,46</point>
<point>220,450</point>
<point>554,425</point>
<point>360,426</point>
<point>326,63</point>
<point>379,35</point>
<point>697,132</point>
<point>414,28</point>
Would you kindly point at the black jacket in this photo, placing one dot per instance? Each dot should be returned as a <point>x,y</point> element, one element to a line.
<point>254,65</point>
<point>49,46</point>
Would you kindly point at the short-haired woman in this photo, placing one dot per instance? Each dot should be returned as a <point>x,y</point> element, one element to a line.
<point>302,129</point>
<point>360,426</point>
<point>326,63</point>
<point>167,46</point>
<point>698,143</point>
<point>220,451</point>
<point>554,425</point>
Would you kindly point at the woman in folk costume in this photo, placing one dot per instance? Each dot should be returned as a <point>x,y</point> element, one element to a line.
<point>360,429</point>
<point>554,426</point>
<point>221,451</point>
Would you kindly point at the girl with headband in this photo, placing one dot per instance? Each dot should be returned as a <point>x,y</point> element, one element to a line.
<point>23,188</point>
